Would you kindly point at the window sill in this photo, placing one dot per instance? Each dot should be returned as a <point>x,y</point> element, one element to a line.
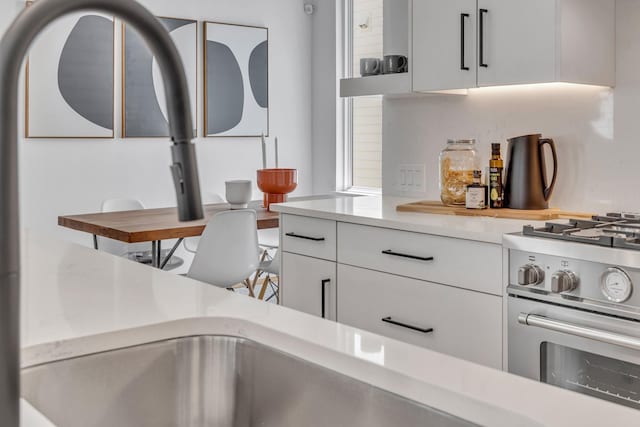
<point>361,191</point>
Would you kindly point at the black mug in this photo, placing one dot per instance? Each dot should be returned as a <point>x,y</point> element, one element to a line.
<point>392,64</point>
<point>369,67</point>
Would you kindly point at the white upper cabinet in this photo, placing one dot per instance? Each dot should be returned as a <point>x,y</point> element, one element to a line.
<point>512,42</point>
<point>444,44</point>
<point>586,42</point>
<point>524,41</point>
<point>516,41</point>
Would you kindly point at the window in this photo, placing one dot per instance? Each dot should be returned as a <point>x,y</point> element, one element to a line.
<point>363,115</point>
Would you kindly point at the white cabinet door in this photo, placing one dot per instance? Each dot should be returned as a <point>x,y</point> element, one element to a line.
<point>444,44</point>
<point>517,41</point>
<point>457,322</point>
<point>309,285</point>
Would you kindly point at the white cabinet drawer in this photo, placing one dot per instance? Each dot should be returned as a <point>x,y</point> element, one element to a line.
<point>309,236</point>
<point>456,262</point>
<point>309,285</point>
<point>464,324</point>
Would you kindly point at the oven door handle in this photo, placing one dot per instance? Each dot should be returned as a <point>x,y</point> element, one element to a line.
<point>579,331</point>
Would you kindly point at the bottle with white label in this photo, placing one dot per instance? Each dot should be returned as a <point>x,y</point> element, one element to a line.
<point>477,196</point>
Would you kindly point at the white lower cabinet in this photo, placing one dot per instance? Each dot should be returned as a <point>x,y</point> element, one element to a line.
<point>309,236</point>
<point>436,292</point>
<point>309,285</point>
<point>460,263</point>
<point>461,323</point>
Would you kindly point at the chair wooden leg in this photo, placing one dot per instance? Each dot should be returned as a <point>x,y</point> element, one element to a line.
<point>265,284</point>
<point>254,282</point>
<point>249,285</point>
<point>259,272</point>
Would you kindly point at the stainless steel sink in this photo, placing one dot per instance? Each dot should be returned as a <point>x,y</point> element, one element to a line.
<point>213,381</point>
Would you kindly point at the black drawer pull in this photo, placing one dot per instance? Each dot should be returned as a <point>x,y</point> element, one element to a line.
<point>298,236</point>
<point>404,325</point>
<point>419,258</point>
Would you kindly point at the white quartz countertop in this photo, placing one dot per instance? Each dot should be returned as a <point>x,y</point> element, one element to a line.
<point>77,301</point>
<point>380,211</point>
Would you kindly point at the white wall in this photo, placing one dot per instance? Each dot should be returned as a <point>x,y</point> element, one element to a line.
<point>74,176</point>
<point>596,129</point>
<point>324,95</point>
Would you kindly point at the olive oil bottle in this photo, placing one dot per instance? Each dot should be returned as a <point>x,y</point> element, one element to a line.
<point>496,180</point>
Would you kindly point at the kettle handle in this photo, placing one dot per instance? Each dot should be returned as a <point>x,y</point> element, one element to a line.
<point>552,145</point>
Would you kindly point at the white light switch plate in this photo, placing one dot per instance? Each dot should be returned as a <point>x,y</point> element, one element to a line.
<point>411,177</point>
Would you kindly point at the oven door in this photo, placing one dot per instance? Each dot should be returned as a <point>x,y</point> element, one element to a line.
<point>589,353</point>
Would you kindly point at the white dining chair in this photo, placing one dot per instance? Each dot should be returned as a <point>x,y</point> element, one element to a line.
<point>228,251</point>
<point>116,247</point>
<point>191,243</point>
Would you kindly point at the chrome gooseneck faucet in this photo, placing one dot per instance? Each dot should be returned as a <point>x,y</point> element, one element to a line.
<point>13,48</point>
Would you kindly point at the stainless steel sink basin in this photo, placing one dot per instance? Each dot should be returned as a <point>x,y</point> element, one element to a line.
<point>213,381</point>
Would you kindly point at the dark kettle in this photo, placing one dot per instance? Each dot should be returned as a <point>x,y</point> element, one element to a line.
<point>526,184</point>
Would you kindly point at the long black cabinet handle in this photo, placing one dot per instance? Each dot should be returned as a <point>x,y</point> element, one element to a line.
<point>416,257</point>
<point>298,236</point>
<point>463,17</point>
<point>324,294</point>
<point>404,325</point>
<point>481,30</point>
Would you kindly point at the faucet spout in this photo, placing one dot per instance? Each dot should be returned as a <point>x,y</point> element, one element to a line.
<point>13,48</point>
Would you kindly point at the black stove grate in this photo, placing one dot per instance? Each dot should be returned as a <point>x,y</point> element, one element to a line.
<point>614,230</point>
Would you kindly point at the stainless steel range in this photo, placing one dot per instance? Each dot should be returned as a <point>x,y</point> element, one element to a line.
<point>574,306</point>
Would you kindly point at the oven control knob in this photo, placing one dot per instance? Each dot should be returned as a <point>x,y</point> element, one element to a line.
<point>529,275</point>
<point>564,281</point>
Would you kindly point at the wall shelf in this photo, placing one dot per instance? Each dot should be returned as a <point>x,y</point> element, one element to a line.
<point>384,84</point>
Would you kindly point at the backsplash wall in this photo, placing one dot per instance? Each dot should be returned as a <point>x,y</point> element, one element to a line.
<point>595,129</point>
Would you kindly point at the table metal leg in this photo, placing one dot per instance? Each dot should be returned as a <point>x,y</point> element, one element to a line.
<point>155,253</point>
<point>170,254</point>
<point>95,242</point>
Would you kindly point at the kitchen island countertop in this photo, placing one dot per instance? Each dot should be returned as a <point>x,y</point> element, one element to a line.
<point>77,301</point>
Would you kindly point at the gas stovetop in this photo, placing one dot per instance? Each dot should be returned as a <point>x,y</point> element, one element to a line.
<point>614,230</point>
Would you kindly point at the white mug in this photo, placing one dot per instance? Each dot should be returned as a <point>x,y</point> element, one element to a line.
<point>238,193</point>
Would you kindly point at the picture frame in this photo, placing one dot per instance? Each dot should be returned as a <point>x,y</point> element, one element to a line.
<point>69,79</point>
<point>235,80</point>
<point>144,112</point>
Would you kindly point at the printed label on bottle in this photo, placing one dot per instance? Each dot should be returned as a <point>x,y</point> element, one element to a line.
<point>475,198</point>
<point>495,183</point>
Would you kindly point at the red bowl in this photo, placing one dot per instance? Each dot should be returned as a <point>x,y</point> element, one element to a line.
<point>276,184</point>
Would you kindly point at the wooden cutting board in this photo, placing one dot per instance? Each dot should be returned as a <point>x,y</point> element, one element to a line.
<point>433,207</point>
